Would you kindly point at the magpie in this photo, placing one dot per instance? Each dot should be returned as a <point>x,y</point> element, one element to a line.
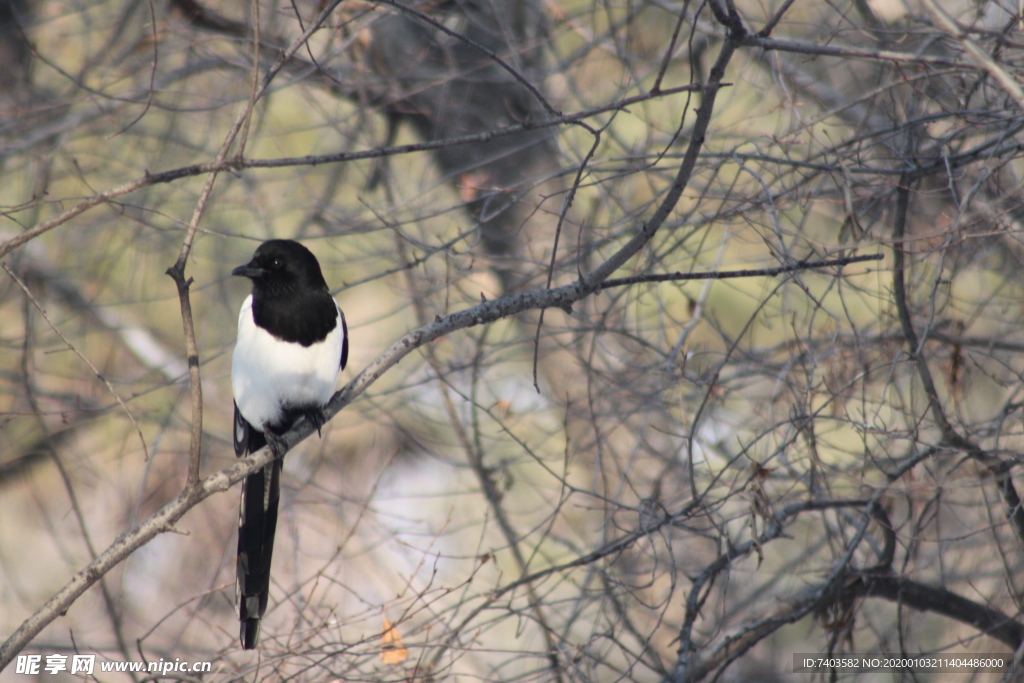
<point>292,343</point>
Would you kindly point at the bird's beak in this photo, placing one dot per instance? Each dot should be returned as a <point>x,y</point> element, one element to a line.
<point>249,271</point>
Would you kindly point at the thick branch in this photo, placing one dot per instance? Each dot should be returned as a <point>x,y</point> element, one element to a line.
<point>593,280</point>
<point>690,668</point>
<point>918,596</point>
<point>925,598</point>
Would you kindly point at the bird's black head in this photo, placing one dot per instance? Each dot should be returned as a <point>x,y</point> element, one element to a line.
<point>282,267</point>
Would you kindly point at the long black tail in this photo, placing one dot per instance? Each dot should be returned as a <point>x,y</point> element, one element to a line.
<point>257,520</point>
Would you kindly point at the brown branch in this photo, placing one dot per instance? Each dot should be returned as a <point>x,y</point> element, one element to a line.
<point>593,280</point>
<point>748,272</point>
<point>846,51</point>
<point>163,520</point>
<point>1000,470</point>
<point>437,25</point>
<point>918,596</point>
<point>981,58</point>
<point>689,667</point>
<point>238,164</point>
<point>485,477</point>
<point>936,599</point>
<point>563,297</point>
<point>563,212</point>
<point>99,375</point>
<point>195,381</point>
<point>50,448</point>
<point>160,522</point>
<point>201,17</point>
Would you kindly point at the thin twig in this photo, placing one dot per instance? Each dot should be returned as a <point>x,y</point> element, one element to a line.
<point>51,450</point>
<point>238,164</point>
<point>1000,470</point>
<point>71,347</point>
<point>747,272</point>
<point>689,668</point>
<point>566,205</point>
<point>977,55</point>
<point>177,271</point>
<point>437,25</point>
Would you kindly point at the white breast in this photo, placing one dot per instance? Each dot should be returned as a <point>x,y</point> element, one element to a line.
<point>269,375</point>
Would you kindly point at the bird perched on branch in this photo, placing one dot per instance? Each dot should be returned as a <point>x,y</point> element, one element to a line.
<point>292,343</point>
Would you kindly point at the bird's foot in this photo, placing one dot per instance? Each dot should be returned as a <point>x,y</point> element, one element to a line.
<point>316,417</point>
<point>276,442</point>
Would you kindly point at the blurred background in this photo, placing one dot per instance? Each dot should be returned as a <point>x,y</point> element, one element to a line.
<point>680,480</point>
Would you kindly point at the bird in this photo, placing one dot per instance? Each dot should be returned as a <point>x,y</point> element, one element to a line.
<point>292,344</point>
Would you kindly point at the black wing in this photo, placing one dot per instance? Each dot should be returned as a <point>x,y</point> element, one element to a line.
<point>247,438</point>
<point>257,521</point>
<point>344,339</point>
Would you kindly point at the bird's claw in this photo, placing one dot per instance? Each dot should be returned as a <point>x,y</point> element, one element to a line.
<point>316,417</point>
<point>277,443</point>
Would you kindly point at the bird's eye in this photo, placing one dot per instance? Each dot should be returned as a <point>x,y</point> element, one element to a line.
<point>277,263</point>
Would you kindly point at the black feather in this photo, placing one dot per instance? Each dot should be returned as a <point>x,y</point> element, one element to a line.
<point>257,521</point>
<point>344,343</point>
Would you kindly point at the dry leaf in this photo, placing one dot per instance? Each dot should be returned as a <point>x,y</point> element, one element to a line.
<point>394,651</point>
<point>470,185</point>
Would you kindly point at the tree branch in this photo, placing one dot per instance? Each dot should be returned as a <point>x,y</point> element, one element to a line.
<point>747,272</point>
<point>239,164</point>
<point>563,297</point>
<point>925,598</point>
<point>1000,470</point>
